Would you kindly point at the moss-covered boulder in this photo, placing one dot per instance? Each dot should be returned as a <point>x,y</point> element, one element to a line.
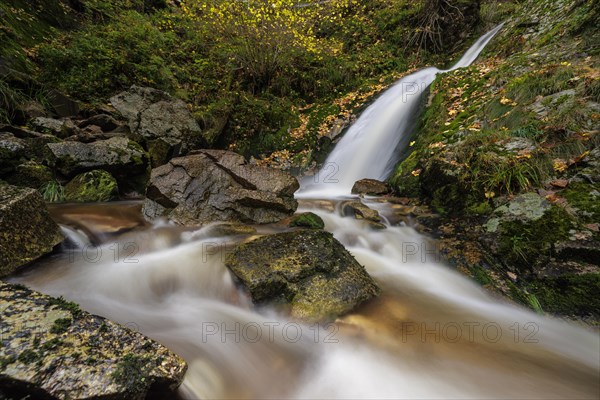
<point>26,229</point>
<point>308,270</point>
<point>307,220</point>
<point>52,349</point>
<point>97,185</point>
<point>31,174</point>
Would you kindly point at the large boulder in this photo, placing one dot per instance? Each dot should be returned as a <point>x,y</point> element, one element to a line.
<point>26,229</point>
<point>52,349</point>
<point>119,155</point>
<point>162,123</point>
<point>217,185</point>
<point>307,269</point>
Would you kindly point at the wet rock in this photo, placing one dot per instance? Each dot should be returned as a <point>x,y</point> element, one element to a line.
<point>307,220</point>
<point>161,122</point>
<point>371,187</point>
<point>231,229</point>
<point>308,270</point>
<point>52,349</point>
<point>116,154</point>
<point>26,229</point>
<point>215,185</point>
<point>360,211</point>
<point>92,186</point>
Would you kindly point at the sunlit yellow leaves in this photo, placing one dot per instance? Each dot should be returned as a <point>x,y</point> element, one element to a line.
<point>416,172</point>
<point>559,165</point>
<point>505,101</point>
<point>438,145</point>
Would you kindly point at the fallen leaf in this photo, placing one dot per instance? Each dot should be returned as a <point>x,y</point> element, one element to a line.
<point>560,183</point>
<point>559,165</point>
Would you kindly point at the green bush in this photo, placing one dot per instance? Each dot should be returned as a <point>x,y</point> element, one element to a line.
<point>103,59</point>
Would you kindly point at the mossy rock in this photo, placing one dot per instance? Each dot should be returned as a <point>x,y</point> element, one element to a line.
<point>93,186</point>
<point>307,220</point>
<point>31,174</point>
<point>52,349</point>
<point>570,294</point>
<point>26,230</point>
<point>307,270</point>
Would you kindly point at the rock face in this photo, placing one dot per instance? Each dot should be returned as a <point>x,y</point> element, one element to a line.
<point>371,187</point>
<point>52,349</point>
<point>164,124</point>
<point>216,185</point>
<point>92,186</point>
<point>307,269</point>
<point>117,155</point>
<point>26,230</point>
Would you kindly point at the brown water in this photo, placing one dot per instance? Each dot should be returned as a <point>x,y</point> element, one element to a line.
<point>432,334</point>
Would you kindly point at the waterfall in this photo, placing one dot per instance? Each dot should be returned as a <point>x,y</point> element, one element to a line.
<point>432,334</point>
<point>370,147</point>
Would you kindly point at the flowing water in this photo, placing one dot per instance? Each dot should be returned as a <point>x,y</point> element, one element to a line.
<point>370,148</point>
<point>432,334</point>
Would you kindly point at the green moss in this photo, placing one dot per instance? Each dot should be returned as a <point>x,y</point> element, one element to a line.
<point>586,199</point>
<point>307,220</point>
<point>28,356</point>
<point>52,344</point>
<point>481,275</point>
<point>92,186</point>
<point>61,325</point>
<point>130,373</point>
<point>63,304</point>
<point>6,360</point>
<point>569,294</point>
<point>527,243</point>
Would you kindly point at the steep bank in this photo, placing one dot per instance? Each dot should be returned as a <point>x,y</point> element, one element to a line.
<point>507,153</point>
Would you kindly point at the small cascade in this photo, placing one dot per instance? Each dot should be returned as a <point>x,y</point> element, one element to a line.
<point>370,147</point>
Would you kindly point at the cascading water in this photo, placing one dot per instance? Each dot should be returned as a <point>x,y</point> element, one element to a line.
<point>432,334</point>
<point>370,147</point>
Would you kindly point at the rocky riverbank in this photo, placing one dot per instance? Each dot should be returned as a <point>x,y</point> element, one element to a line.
<point>507,151</point>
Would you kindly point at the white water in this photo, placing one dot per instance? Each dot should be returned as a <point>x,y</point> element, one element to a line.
<point>432,334</point>
<point>176,290</point>
<point>370,147</point>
